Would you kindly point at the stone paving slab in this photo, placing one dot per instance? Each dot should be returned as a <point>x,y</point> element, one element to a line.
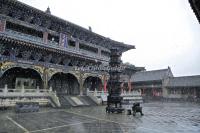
<point>62,122</point>
<point>7,126</point>
<point>87,127</point>
<point>158,118</point>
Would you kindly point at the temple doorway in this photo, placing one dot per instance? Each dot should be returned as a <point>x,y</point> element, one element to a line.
<point>92,83</point>
<point>17,77</point>
<point>65,84</point>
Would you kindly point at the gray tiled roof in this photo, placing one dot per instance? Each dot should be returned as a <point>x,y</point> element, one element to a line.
<point>186,81</point>
<point>151,75</point>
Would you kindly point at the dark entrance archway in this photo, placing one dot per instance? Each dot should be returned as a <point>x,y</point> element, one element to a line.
<point>65,84</point>
<point>17,77</point>
<point>92,83</point>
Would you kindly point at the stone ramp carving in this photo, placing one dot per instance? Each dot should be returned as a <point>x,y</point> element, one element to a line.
<point>77,101</point>
<point>74,101</point>
<point>63,101</point>
<point>88,100</point>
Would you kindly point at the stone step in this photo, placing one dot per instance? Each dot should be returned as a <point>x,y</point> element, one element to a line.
<point>75,101</point>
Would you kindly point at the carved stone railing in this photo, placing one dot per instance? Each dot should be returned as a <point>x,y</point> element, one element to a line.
<point>100,95</point>
<point>5,92</point>
<point>51,44</point>
<point>89,53</point>
<point>25,36</point>
<point>124,93</point>
<point>106,57</point>
<point>97,93</point>
<point>97,96</point>
<point>15,94</point>
<point>131,93</point>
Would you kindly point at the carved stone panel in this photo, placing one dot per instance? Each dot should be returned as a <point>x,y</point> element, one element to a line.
<point>37,20</point>
<point>2,48</point>
<point>56,59</point>
<point>26,54</point>
<point>14,52</point>
<point>74,62</point>
<point>46,23</point>
<point>66,62</point>
<point>27,17</point>
<point>16,14</point>
<point>37,56</point>
<point>48,58</point>
<point>4,9</point>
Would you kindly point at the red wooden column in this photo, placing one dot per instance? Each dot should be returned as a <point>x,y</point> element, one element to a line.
<point>105,84</point>
<point>2,25</point>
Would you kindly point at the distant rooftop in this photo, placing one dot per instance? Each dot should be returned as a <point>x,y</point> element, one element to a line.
<point>185,81</point>
<point>151,75</point>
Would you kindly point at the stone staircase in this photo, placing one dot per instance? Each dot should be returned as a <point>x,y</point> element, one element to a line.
<point>88,100</point>
<point>63,101</point>
<point>75,101</point>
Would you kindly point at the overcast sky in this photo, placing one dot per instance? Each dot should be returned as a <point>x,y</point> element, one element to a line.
<point>165,32</point>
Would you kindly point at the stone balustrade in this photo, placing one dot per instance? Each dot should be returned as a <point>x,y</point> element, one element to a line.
<point>131,93</point>
<point>97,93</point>
<point>8,92</point>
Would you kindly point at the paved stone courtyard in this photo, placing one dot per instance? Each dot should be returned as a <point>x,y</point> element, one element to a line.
<point>159,117</point>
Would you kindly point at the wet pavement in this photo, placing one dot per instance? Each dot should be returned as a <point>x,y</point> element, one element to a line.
<point>158,117</point>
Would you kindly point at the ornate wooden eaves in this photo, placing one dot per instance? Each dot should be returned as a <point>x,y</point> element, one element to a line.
<point>23,12</point>
<point>195,5</point>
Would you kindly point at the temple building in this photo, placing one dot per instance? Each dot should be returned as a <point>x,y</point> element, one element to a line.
<point>53,61</point>
<point>39,50</point>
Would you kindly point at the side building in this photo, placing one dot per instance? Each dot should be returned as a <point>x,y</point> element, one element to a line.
<point>161,84</point>
<point>151,83</point>
<point>185,88</point>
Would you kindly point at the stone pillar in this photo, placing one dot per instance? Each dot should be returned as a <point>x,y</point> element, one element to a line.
<point>45,79</point>
<point>22,90</point>
<point>194,93</point>
<point>81,89</point>
<point>77,45</point>
<point>164,88</point>
<point>5,90</point>
<point>45,37</point>
<point>2,25</point>
<point>95,92</point>
<point>50,89</point>
<point>99,51</point>
<point>37,89</point>
<point>165,92</point>
<point>81,83</point>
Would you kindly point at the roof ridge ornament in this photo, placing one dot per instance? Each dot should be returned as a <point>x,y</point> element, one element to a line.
<point>48,11</point>
<point>90,28</point>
